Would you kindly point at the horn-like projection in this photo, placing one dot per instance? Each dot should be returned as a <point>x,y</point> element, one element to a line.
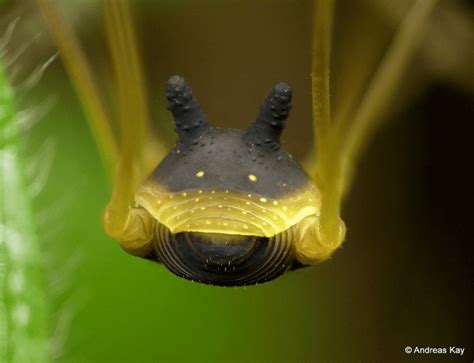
<point>189,119</point>
<point>273,114</point>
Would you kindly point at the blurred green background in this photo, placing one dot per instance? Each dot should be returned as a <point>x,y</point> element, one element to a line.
<point>404,275</point>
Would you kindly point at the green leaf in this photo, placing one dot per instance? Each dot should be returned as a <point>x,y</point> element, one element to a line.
<point>23,328</point>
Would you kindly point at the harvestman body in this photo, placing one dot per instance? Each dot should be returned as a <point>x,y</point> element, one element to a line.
<point>225,206</point>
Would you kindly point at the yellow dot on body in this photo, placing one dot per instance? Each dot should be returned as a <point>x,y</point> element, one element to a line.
<point>245,226</point>
<point>220,206</point>
<point>200,192</point>
<point>200,174</point>
<point>158,202</point>
<point>252,178</point>
<point>263,200</point>
<point>208,222</point>
<point>275,202</point>
<point>248,203</point>
<point>184,194</point>
<point>196,200</point>
<point>285,208</point>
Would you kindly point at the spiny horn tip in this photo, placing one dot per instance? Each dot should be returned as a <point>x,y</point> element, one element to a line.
<point>178,93</point>
<point>280,101</point>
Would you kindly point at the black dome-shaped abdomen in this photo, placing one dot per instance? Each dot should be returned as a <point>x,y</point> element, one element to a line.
<point>222,159</point>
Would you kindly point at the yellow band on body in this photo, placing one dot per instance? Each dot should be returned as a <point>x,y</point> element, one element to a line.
<point>228,212</point>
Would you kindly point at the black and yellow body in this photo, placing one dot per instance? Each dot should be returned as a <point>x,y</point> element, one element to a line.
<point>230,207</point>
<point>226,206</point>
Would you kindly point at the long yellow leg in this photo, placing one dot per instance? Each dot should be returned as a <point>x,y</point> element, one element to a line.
<point>317,240</point>
<point>149,148</point>
<point>369,116</point>
<point>133,227</point>
<point>322,24</point>
<point>83,81</point>
<point>340,149</point>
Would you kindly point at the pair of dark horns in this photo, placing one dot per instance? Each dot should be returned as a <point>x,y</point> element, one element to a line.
<point>191,122</point>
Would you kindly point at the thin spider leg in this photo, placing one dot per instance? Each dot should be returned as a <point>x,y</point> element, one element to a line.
<point>316,246</point>
<point>321,236</point>
<point>150,147</point>
<point>131,226</point>
<point>82,79</point>
<point>370,115</point>
<point>131,96</point>
<point>357,52</point>
<point>321,48</point>
<point>348,142</point>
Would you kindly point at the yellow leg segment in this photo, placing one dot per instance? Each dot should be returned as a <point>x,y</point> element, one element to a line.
<point>311,245</point>
<point>340,145</point>
<point>127,159</point>
<point>82,78</point>
<point>133,227</point>
<point>134,232</point>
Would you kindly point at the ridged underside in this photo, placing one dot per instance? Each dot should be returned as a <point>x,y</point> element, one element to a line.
<point>228,212</point>
<point>225,260</point>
